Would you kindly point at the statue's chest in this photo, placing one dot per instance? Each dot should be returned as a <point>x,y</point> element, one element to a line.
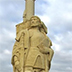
<point>37,36</point>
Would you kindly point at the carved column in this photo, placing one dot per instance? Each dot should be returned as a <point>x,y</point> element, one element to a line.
<point>29,9</point>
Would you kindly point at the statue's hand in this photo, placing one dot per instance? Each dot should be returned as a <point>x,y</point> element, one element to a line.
<point>17,66</point>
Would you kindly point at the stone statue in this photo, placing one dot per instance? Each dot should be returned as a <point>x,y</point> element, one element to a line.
<point>32,50</point>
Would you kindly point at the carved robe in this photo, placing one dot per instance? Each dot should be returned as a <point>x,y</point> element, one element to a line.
<point>22,42</point>
<point>38,43</point>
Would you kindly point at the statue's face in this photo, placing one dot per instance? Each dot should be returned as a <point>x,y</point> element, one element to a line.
<point>34,20</point>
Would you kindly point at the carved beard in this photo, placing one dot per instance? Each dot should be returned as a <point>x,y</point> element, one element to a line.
<point>35,24</point>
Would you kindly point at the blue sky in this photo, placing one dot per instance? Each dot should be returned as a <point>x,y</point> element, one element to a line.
<point>57,16</point>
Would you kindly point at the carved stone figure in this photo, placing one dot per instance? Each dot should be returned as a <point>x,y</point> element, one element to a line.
<point>32,50</point>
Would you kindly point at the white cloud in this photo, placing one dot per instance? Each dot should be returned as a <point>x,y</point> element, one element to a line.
<point>58,37</point>
<point>45,19</point>
<point>68,16</point>
<point>9,33</point>
<point>1,11</point>
<point>7,52</point>
<point>69,68</point>
<point>56,47</point>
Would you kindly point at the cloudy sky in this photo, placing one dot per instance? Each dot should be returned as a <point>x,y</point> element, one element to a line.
<point>57,16</point>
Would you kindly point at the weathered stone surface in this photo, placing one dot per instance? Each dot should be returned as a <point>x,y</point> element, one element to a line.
<point>32,50</point>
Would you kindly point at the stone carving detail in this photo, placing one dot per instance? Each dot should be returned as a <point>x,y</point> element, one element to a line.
<point>32,50</point>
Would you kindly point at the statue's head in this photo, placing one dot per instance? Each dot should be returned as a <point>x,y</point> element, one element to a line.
<point>35,21</point>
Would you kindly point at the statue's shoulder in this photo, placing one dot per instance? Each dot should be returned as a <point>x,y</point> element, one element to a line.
<point>22,26</point>
<point>19,27</point>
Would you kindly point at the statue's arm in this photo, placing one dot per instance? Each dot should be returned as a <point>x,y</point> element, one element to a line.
<point>17,63</point>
